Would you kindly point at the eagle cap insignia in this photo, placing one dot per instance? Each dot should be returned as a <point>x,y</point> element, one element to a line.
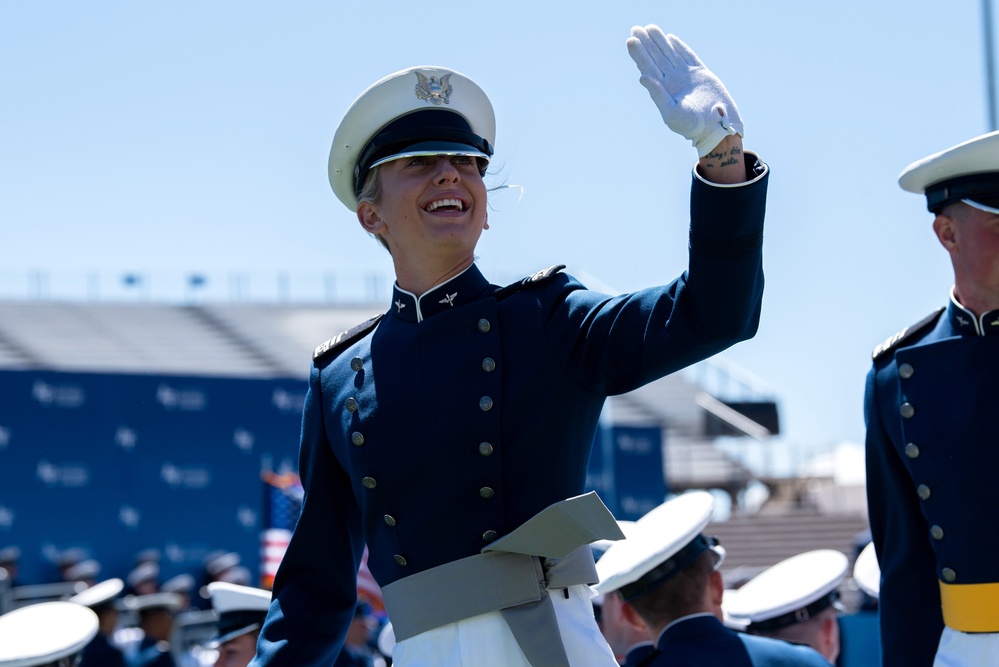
<point>434,90</point>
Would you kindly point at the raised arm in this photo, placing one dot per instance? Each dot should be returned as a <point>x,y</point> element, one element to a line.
<point>692,101</point>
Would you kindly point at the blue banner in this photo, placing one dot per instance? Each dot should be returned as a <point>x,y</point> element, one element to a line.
<point>626,469</point>
<point>115,464</point>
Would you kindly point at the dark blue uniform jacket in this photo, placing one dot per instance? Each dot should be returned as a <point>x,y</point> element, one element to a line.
<point>152,653</point>
<point>932,467</point>
<point>703,641</point>
<point>467,410</point>
<point>101,653</point>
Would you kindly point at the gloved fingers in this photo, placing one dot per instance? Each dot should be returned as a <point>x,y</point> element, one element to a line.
<point>638,53</point>
<point>684,52</point>
<point>654,54</point>
<point>664,47</point>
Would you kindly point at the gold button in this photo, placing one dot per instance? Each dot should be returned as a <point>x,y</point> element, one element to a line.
<point>489,535</point>
<point>911,450</point>
<point>485,449</point>
<point>923,491</point>
<point>936,532</point>
<point>907,410</point>
<point>351,405</point>
<point>484,325</point>
<point>949,575</point>
<point>485,404</point>
<point>486,492</point>
<point>400,560</point>
<point>389,519</point>
<point>357,438</point>
<point>488,365</point>
<point>356,364</point>
<point>905,371</point>
<point>369,482</point>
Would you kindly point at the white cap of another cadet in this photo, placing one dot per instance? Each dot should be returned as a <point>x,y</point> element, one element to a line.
<point>737,624</point>
<point>867,571</point>
<point>792,591</point>
<point>968,172</point>
<point>422,110</point>
<point>41,634</point>
<point>240,610</point>
<point>153,601</point>
<point>100,594</point>
<point>659,545</point>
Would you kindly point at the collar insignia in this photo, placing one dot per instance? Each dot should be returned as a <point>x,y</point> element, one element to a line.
<point>399,305</point>
<point>434,90</point>
<point>449,299</point>
<point>963,321</point>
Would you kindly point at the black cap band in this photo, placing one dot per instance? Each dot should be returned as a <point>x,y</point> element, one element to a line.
<point>981,188</point>
<point>797,616</point>
<point>237,620</point>
<point>418,127</point>
<point>666,570</point>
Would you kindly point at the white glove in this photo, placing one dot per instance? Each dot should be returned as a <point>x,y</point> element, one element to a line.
<point>692,100</point>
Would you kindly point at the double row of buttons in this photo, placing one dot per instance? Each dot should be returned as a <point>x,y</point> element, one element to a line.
<point>908,411</point>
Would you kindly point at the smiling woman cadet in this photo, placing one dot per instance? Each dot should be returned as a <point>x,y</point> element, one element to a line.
<point>436,434</point>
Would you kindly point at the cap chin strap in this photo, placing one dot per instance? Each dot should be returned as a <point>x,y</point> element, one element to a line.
<point>981,207</point>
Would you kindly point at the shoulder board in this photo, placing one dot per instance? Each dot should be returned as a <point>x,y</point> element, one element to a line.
<point>906,334</point>
<point>344,339</point>
<point>533,280</point>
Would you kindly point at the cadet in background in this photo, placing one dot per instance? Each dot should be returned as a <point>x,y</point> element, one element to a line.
<point>930,411</point>
<point>666,574</point>
<point>795,600</point>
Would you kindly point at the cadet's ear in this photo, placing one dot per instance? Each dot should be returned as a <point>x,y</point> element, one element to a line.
<point>829,636</point>
<point>945,227</point>
<point>369,218</point>
<point>631,616</point>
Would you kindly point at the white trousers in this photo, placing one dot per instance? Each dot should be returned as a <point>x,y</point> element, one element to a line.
<point>964,649</point>
<point>486,640</point>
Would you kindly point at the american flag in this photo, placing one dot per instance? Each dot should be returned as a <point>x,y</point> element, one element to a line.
<point>283,504</point>
<point>367,588</point>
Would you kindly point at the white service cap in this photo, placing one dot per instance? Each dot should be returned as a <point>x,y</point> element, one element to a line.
<point>424,110</point>
<point>968,171</point>
<point>867,571</point>
<point>42,633</point>
<point>791,591</point>
<point>240,610</point>
<point>659,545</point>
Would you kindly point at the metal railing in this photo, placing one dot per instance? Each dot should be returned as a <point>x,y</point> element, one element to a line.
<point>338,287</point>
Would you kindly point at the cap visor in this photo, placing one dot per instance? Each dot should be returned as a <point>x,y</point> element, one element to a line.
<point>987,204</point>
<point>427,148</point>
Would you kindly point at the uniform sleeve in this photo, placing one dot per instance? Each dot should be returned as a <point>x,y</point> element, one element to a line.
<point>909,601</point>
<point>315,589</point>
<point>616,344</point>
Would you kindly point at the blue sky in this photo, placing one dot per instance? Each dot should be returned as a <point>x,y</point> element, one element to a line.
<point>193,136</point>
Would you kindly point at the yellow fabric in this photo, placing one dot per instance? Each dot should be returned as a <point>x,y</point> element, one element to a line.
<point>970,607</point>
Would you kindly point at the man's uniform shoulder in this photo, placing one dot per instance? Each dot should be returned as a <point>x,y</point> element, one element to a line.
<point>337,343</point>
<point>536,279</point>
<point>909,334</point>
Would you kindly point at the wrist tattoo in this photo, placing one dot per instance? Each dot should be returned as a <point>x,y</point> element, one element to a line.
<point>724,158</point>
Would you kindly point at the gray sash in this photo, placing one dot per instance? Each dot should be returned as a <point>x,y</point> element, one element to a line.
<point>513,576</point>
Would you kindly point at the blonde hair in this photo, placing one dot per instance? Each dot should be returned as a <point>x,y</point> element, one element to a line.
<point>371,193</point>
